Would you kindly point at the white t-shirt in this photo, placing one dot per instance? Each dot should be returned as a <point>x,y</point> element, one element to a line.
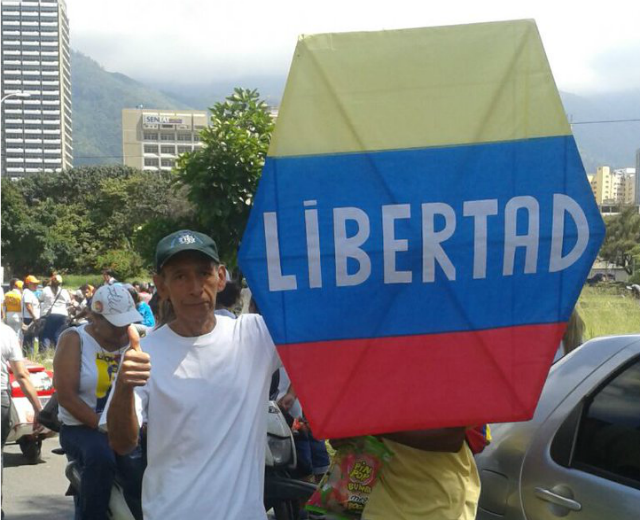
<point>206,408</point>
<point>61,304</point>
<point>98,369</point>
<point>11,351</point>
<point>28,296</point>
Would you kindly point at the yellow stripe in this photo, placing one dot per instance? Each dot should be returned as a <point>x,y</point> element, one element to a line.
<point>418,88</point>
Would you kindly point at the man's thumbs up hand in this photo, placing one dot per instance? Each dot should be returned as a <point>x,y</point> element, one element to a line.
<point>136,364</point>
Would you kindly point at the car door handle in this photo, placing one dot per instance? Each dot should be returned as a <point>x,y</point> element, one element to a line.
<point>550,496</point>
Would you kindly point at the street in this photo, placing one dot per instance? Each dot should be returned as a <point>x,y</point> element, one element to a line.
<point>35,492</point>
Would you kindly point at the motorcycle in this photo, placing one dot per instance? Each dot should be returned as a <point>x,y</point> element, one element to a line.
<point>21,411</point>
<point>282,493</point>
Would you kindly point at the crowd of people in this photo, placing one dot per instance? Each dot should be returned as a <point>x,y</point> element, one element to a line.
<point>195,388</point>
<point>40,310</point>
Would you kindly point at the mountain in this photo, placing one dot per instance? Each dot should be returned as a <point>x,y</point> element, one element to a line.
<point>98,98</point>
<point>201,97</point>
<point>610,144</point>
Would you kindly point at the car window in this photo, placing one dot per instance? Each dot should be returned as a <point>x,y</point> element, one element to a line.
<point>608,437</point>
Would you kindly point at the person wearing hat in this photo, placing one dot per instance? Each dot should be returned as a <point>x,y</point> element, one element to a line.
<point>84,367</point>
<point>13,305</point>
<point>201,372</point>
<point>55,306</point>
<point>30,307</point>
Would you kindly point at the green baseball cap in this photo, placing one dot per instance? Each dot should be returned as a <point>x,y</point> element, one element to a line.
<point>185,240</point>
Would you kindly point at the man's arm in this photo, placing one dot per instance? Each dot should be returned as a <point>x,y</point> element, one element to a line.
<point>21,374</point>
<point>444,440</point>
<point>29,307</point>
<point>122,420</point>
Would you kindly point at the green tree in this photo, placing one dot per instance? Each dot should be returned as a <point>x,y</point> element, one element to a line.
<point>222,176</point>
<point>621,243</point>
<point>86,218</point>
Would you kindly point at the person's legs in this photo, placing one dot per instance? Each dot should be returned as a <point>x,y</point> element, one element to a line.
<point>303,455</point>
<point>98,465</point>
<point>27,340</point>
<point>6,426</point>
<point>319,456</point>
<point>59,324</point>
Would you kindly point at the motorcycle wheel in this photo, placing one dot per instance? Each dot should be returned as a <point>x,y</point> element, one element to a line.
<point>31,449</point>
<point>284,511</point>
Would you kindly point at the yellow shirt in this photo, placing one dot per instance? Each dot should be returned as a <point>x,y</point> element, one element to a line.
<point>13,301</point>
<point>425,485</point>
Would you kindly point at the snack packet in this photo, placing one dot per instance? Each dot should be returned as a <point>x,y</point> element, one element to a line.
<point>344,491</point>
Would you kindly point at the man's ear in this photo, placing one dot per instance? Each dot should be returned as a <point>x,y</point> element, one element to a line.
<point>222,277</point>
<point>158,281</point>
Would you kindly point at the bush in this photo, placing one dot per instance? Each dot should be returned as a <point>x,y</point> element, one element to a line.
<point>125,263</point>
<point>635,278</point>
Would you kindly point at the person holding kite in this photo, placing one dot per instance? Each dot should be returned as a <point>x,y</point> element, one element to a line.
<point>200,382</point>
<point>432,475</point>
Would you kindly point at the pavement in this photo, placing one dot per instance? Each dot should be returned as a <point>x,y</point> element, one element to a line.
<point>35,492</point>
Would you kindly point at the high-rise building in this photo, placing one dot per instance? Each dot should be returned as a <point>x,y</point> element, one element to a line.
<point>614,187</point>
<point>152,139</point>
<point>36,131</point>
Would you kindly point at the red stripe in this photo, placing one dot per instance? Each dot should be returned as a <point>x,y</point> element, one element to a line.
<point>371,386</point>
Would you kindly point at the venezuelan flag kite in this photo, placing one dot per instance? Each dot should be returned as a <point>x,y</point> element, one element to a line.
<point>422,229</point>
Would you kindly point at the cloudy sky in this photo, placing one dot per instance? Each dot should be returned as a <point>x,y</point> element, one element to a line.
<point>592,46</point>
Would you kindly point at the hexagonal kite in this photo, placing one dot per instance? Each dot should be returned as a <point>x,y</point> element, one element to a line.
<point>422,229</point>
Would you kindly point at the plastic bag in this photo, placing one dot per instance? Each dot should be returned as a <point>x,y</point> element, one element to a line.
<point>345,489</point>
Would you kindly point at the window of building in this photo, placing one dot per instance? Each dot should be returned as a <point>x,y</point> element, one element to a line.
<point>150,136</point>
<point>151,162</point>
<point>168,149</point>
<point>197,138</point>
<point>184,149</point>
<point>168,163</point>
<point>184,137</point>
<point>168,136</point>
<point>150,148</point>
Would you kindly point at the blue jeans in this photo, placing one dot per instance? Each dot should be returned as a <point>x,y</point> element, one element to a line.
<point>98,464</point>
<point>54,326</point>
<point>312,455</point>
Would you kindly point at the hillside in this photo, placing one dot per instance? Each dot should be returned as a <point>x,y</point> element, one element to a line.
<point>612,144</point>
<point>98,98</point>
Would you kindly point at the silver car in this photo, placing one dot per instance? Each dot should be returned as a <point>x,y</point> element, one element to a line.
<point>579,457</point>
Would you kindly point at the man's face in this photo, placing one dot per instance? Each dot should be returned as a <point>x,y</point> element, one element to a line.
<point>192,282</point>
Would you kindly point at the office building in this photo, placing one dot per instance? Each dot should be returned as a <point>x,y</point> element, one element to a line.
<point>36,131</point>
<point>152,139</point>
<point>614,187</point>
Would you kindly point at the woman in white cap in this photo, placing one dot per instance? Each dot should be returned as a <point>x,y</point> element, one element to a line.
<point>85,365</point>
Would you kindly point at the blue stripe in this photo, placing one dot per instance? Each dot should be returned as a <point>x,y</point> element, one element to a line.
<point>537,167</point>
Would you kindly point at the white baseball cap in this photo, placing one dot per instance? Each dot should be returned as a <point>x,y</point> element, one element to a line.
<point>115,304</point>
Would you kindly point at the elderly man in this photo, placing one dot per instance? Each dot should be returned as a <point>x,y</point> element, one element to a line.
<point>201,383</point>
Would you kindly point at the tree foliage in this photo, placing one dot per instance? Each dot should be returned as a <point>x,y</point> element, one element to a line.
<point>86,218</point>
<point>221,177</point>
<point>622,242</point>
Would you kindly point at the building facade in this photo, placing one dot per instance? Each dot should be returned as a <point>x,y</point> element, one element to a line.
<point>614,187</point>
<point>152,139</point>
<point>637,187</point>
<point>36,131</point>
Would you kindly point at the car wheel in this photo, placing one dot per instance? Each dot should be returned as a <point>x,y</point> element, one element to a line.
<point>31,449</point>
